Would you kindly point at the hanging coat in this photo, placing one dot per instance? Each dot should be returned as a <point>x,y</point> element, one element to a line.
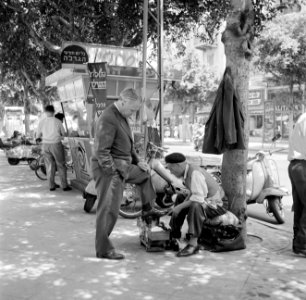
<point>224,129</point>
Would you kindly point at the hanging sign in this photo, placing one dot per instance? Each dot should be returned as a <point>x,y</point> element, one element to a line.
<point>97,86</point>
<point>73,55</point>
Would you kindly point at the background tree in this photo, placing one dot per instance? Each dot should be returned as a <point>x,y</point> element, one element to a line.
<point>197,83</point>
<point>281,52</point>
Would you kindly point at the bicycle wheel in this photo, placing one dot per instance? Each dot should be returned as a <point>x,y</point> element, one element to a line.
<point>131,206</point>
<point>32,164</point>
<point>40,169</point>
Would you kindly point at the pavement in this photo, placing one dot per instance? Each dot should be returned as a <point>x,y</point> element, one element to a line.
<point>47,252</point>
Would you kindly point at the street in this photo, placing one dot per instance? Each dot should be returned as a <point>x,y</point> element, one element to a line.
<point>47,252</point>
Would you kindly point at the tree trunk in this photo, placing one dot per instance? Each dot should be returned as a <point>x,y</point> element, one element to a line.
<point>234,161</point>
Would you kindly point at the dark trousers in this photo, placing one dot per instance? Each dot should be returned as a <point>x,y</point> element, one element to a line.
<point>297,175</point>
<point>109,194</point>
<point>195,218</point>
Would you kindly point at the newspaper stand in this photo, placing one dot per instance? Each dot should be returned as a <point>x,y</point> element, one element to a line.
<point>123,69</point>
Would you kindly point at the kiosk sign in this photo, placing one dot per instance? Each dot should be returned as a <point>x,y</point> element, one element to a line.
<point>73,55</point>
<point>97,86</point>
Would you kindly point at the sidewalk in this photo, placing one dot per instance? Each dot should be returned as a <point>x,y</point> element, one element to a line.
<point>47,252</point>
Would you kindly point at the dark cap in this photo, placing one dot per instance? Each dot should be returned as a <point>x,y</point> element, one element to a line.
<point>175,158</point>
<point>49,108</point>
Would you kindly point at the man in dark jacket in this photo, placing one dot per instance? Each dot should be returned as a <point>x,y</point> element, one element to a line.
<point>115,163</point>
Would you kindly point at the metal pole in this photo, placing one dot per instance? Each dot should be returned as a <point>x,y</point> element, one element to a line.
<point>160,5</point>
<point>144,69</point>
<point>65,119</point>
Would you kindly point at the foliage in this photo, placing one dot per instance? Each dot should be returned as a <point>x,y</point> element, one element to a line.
<point>197,81</point>
<point>281,49</point>
<point>32,31</point>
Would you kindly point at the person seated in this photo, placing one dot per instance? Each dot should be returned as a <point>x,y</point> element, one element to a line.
<point>202,204</point>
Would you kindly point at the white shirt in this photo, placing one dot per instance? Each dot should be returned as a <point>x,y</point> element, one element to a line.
<point>51,129</point>
<point>297,143</point>
<point>198,187</point>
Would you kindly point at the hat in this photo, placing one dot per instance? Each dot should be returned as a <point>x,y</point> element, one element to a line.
<point>175,158</point>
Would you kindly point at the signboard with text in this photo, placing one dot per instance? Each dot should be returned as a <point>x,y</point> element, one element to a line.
<point>97,86</point>
<point>73,55</point>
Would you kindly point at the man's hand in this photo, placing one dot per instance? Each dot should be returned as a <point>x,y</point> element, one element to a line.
<point>143,166</point>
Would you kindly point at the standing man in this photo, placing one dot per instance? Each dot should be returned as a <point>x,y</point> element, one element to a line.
<point>297,174</point>
<point>204,201</point>
<point>114,163</point>
<point>52,132</point>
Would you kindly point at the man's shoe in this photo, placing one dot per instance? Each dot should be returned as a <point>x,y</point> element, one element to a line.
<point>67,188</point>
<point>89,203</point>
<point>299,251</point>
<point>112,254</point>
<point>174,245</point>
<point>188,250</point>
<point>154,212</point>
<point>56,186</point>
<point>52,189</point>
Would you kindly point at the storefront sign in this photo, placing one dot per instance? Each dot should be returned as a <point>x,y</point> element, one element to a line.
<point>254,94</point>
<point>74,54</point>
<point>129,71</point>
<point>254,101</point>
<point>97,86</point>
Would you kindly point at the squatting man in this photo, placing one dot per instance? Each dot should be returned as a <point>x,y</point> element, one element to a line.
<point>203,204</point>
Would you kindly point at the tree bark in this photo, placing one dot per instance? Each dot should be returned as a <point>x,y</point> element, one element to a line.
<point>234,161</point>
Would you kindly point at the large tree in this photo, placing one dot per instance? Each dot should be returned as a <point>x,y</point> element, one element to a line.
<point>35,29</point>
<point>281,53</point>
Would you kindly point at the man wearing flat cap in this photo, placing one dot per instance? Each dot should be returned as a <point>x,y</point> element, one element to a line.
<point>203,203</point>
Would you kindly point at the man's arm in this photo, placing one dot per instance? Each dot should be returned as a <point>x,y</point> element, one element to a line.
<point>39,130</point>
<point>198,187</point>
<point>104,139</point>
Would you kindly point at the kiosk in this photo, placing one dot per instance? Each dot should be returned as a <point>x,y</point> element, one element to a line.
<point>121,67</point>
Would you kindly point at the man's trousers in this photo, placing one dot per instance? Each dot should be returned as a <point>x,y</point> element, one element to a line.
<point>109,194</point>
<point>297,174</point>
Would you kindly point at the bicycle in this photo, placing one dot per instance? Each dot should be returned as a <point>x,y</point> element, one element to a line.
<point>40,168</point>
<point>131,205</point>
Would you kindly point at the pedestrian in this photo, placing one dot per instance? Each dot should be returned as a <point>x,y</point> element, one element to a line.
<point>203,203</point>
<point>297,175</point>
<point>114,163</point>
<point>51,130</point>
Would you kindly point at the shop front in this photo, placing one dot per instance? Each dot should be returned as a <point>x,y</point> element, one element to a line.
<point>256,112</point>
<point>116,68</point>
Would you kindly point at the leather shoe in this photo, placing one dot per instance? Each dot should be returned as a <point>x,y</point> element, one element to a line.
<point>67,188</point>
<point>174,245</point>
<point>299,251</point>
<point>89,203</point>
<point>112,254</point>
<point>56,186</point>
<point>188,250</point>
<point>154,212</point>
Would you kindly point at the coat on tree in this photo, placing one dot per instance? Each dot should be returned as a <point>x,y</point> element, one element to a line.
<point>224,129</point>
